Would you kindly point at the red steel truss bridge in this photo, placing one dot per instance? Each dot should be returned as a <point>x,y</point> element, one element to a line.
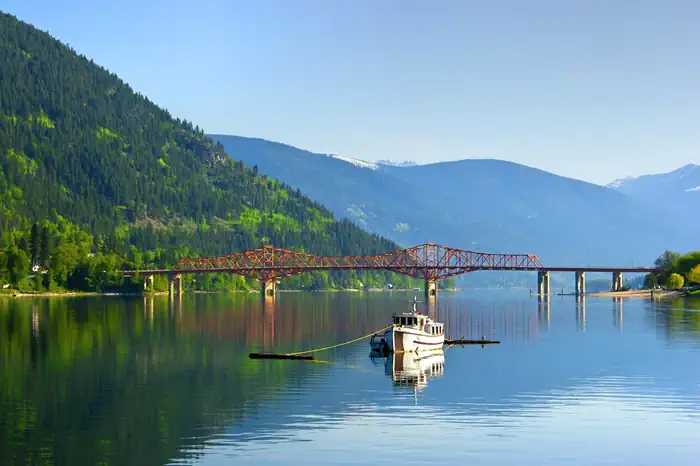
<point>430,262</point>
<point>427,261</point>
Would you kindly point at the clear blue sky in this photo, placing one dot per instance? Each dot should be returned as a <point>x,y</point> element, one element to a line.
<point>592,89</point>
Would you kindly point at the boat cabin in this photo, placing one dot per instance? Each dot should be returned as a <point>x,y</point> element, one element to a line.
<point>419,322</point>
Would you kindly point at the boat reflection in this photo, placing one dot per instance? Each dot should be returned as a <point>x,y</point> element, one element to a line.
<point>412,370</point>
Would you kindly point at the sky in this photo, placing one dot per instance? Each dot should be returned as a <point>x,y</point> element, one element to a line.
<point>589,89</point>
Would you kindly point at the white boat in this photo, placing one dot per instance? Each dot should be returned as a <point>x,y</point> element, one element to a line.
<point>411,332</point>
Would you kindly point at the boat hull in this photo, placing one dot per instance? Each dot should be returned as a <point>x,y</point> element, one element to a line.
<point>407,340</point>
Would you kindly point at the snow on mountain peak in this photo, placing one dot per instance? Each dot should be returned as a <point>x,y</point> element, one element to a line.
<point>356,162</point>
<point>373,165</point>
<point>397,163</point>
<point>620,181</point>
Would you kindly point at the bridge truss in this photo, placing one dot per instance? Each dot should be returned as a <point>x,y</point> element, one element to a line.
<point>428,261</point>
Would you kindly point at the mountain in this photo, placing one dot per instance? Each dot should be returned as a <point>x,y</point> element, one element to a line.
<point>486,205</point>
<point>370,196</point>
<point>678,191</point>
<point>397,163</point>
<point>85,160</point>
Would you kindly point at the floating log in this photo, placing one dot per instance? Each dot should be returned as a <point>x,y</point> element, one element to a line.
<point>462,341</point>
<point>306,357</point>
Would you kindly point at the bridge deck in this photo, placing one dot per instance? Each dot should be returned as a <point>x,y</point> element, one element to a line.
<point>593,269</point>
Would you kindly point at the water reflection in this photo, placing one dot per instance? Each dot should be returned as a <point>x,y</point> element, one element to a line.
<point>581,314</point>
<point>411,370</point>
<point>158,381</point>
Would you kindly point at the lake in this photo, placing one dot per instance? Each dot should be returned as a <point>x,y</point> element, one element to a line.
<point>153,381</point>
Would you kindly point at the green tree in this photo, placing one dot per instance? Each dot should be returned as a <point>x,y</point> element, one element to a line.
<point>18,265</point>
<point>64,261</point>
<point>651,280</point>
<point>34,244</point>
<point>668,262</point>
<point>46,247</point>
<point>675,281</point>
<point>693,275</point>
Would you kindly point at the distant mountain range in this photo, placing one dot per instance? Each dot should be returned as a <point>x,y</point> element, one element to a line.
<point>677,191</point>
<point>486,205</point>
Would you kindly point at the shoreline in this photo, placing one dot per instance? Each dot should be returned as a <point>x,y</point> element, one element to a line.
<point>74,294</point>
<point>637,294</point>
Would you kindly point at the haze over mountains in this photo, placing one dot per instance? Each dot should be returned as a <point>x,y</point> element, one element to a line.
<point>486,205</point>
<point>677,191</point>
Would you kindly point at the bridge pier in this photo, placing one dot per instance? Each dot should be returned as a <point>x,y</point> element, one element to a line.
<point>580,283</point>
<point>172,279</point>
<point>268,288</point>
<point>431,288</point>
<point>543,283</point>
<point>617,281</point>
<point>147,279</point>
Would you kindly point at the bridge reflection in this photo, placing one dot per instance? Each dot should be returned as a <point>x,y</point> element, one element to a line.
<point>301,321</point>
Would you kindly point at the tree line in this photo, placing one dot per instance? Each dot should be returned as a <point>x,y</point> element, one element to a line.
<point>676,270</point>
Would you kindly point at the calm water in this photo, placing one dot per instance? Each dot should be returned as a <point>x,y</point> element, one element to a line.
<point>151,382</point>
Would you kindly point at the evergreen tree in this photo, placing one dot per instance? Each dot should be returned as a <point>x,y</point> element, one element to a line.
<point>34,246</point>
<point>46,247</point>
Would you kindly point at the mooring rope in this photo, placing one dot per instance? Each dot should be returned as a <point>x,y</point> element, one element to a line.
<point>339,344</point>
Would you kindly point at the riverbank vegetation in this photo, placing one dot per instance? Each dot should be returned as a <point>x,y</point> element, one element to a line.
<point>59,257</point>
<point>677,270</point>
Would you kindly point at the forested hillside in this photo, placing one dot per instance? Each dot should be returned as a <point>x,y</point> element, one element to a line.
<point>93,175</point>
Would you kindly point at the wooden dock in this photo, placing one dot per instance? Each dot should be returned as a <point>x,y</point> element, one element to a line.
<point>463,341</point>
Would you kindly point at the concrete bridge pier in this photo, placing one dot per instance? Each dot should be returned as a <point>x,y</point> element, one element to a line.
<point>268,288</point>
<point>174,280</point>
<point>431,288</point>
<point>147,280</point>
<point>617,281</point>
<point>543,283</point>
<point>580,283</point>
